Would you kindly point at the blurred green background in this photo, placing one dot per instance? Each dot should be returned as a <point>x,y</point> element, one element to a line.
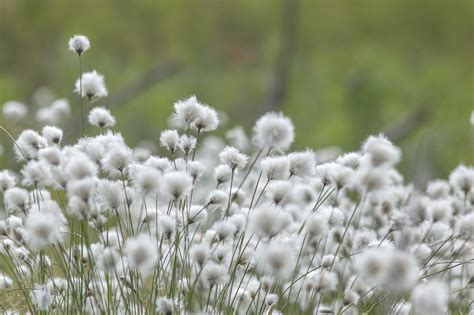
<point>340,69</point>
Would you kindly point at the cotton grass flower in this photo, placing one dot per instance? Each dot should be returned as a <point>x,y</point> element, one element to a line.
<point>108,260</point>
<point>5,282</point>
<point>16,199</point>
<point>381,151</point>
<point>53,135</point>
<point>14,111</point>
<point>79,44</point>
<point>44,224</point>
<point>231,157</point>
<point>267,221</point>
<point>142,253</point>
<point>36,174</point>
<point>275,167</point>
<point>462,178</point>
<point>188,110</point>
<point>101,117</point>
<point>430,298</point>
<point>177,184</point>
<point>302,164</point>
<point>7,180</point>
<point>187,144</point>
<point>93,86</point>
<point>222,174</point>
<point>41,296</point>
<point>164,306</point>
<point>112,224</point>
<point>273,130</point>
<point>207,120</point>
<point>169,139</point>
<point>116,161</point>
<point>213,275</point>
<point>28,143</point>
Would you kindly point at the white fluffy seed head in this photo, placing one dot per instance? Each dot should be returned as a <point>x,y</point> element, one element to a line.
<point>60,107</point>
<point>430,298</point>
<point>177,184</point>
<point>108,260</point>
<point>462,178</point>
<point>222,173</point>
<point>273,130</point>
<point>187,143</point>
<point>213,274</point>
<point>207,120</point>
<point>302,164</point>
<point>267,221</point>
<point>166,226</point>
<point>351,159</point>
<point>217,197</point>
<point>164,306</point>
<point>101,117</point>
<point>278,190</point>
<point>169,139</point>
<point>438,189</point>
<point>196,169</point>
<point>161,164</point>
<point>50,155</point>
<point>41,296</point>
<point>116,160</point>
<point>53,135</point>
<point>142,253</point>
<point>79,44</point>
<point>465,226</point>
<point>146,180</point>
<point>110,194</point>
<point>271,299</point>
<point>79,165</point>
<point>199,253</point>
<point>381,151</point>
<point>14,111</point>
<point>16,199</point>
<point>317,225</point>
<point>275,167</point>
<point>93,86</point>
<point>231,157</point>
<point>187,110</point>
<point>372,179</point>
<point>388,268</point>
<point>28,144</point>
<point>7,180</point>
<point>237,138</point>
<point>36,174</point>
<point>5,282</point>
<point>43,224</point>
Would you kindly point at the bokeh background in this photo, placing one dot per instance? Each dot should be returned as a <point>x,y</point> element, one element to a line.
<point>342,70</point>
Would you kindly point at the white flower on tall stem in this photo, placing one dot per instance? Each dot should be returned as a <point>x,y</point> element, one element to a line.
<point>79,44</point>
<point>101,117</point>
<point>91,85</point>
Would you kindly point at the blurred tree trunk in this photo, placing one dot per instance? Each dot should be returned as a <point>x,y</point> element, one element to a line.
<point>279,86</point>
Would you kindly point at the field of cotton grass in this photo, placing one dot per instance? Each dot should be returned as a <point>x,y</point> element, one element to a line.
<point>233,225</point>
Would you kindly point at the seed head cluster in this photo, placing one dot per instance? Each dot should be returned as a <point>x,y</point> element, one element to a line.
<point>232,225</point>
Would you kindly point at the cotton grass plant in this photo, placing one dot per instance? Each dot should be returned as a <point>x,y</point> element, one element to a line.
<point>234,225</point>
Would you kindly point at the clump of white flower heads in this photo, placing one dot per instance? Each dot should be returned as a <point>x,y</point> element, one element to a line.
<point>223,225</point>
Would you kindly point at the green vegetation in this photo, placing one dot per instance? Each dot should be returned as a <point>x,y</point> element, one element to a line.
<point>356,67</point>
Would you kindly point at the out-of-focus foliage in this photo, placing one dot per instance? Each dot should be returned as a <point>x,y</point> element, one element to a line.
<point>356,67</point>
